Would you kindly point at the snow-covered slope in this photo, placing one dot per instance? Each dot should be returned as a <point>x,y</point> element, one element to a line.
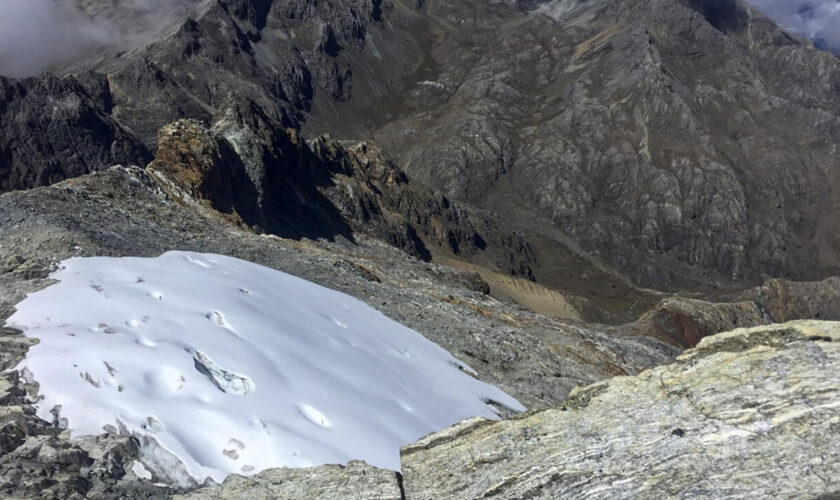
<point>234,368</point>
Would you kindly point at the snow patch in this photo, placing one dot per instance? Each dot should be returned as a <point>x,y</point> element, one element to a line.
<point>220,366</point>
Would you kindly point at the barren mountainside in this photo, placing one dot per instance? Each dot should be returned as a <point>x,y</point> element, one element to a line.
<point>684,143</point>
<point>624,214</point>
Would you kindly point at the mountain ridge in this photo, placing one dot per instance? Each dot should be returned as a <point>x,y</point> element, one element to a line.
<point>737,176</point>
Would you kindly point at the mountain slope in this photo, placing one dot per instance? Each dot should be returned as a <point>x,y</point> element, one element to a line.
<point>561,156</point>
<point>678,147</point>
<point>687,143</point>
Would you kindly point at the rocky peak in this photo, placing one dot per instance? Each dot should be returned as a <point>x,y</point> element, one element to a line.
<point>245,165</point>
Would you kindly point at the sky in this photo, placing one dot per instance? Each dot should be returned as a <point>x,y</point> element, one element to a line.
<point>818,20</point>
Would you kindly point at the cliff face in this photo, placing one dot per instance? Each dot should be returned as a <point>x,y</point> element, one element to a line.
<point>52,129</point>
<point>268,179</point>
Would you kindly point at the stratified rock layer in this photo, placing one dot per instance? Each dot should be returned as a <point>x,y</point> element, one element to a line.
<point>684,322</point>
<point>357,481</point>
<point>752,412</point>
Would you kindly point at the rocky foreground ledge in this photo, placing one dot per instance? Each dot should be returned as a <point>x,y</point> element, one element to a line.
<point>749,413</point>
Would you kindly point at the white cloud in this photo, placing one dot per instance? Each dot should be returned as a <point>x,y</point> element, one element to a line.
<point>818,20</point>
<point>37,33</point>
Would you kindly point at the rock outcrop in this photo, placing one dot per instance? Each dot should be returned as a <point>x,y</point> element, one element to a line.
<point>752,412</point>
<point>684,322</point>
<point>356,480</point>
<point>783,300</point>
<point>267,178</point>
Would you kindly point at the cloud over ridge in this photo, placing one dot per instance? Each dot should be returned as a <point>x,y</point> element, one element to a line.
<point>818,20</point>
<point>35,34</point>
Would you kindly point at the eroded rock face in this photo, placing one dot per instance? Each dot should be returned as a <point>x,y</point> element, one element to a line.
<point>684,322</point>
<point>784,300</point>
<point>257,173</point>
<point>654,134</point>
<point>749,412</point>
<point>52,129</point>
<point>201,167</point>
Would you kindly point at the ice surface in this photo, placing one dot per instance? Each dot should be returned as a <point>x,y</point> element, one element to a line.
<point>234,368</point>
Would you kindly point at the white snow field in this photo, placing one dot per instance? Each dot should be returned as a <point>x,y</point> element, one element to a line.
<point>233,367</point>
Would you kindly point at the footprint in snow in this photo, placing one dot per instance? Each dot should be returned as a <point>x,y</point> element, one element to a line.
<point>164,380</point>
<point>218,319</point>
<point>145,342</point>
<point>104,327</point>
<point>233,448</point>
